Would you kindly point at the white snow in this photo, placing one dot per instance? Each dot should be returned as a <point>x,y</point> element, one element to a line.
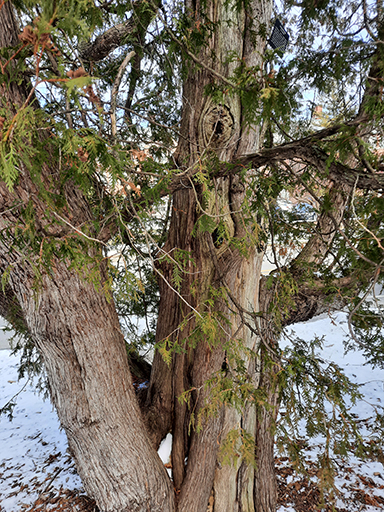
<point>352,474</point>
<point>33,449</point>
<point>334,329</point>
<point>165,449</point>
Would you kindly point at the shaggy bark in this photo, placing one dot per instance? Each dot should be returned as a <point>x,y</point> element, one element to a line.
<point>76,328</point>
<point>107,42</point>
<point>77,331</point>
<point>207,129</point>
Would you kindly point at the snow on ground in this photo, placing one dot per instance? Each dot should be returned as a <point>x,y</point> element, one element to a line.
<point>33,448</point>
<point>334,329</point>
<point>34,462</point>
<point>359,484</point>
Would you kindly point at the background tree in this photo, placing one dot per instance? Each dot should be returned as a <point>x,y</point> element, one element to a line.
<point>169,132</point>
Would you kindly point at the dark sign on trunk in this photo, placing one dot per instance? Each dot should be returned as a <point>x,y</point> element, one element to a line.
<point>279,38</point>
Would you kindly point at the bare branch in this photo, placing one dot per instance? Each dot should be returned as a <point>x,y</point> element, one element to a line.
<point>105,43</point>
<point>303,150</point>
<point>78,231</point>
<point>115,90</point>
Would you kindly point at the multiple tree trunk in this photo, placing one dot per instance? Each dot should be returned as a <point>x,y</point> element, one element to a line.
<point>77,329</point>
<point>210,129</point>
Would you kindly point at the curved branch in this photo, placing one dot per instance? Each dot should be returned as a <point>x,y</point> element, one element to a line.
<point>301,150</point>
<point>314,298</point>
<point>328,224</point>
<point>105,43</point>
<point>307,152</point>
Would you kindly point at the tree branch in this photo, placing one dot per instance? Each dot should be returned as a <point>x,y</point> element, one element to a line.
<point>105,43</point>
<point>10,309</point>
<point>301,150</point>
<point>115,90</point>
<point>315,298</point>
<point>116,36</point>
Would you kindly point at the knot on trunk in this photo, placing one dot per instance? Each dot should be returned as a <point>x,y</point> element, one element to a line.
<point>217,126</point>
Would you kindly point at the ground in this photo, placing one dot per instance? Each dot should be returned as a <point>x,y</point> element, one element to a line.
<point>38,474</point>
<point>356,489</point>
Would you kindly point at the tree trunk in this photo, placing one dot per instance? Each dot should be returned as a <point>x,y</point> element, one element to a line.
<point>211,288</point>
<point>77,331</point>
<point>208,128</point>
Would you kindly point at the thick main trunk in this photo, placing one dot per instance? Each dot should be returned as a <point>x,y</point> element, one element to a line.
<point>77,331</point>
<point>234,484</point>
<point>209,128</point>
<point>76,328</point>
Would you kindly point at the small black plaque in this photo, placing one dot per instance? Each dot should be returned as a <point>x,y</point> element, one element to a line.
<point>279,38</point>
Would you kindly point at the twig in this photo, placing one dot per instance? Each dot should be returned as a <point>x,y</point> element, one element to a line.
<point>55,475</point>
<point>212,216</point>
<point>15,395</point>
<point>336,224</point>
<point>152,121</point>
<point>79,231</point>
<point>193,56</point>
<point>115,90</point>
<point>360,223</point>
<point>146,234</point>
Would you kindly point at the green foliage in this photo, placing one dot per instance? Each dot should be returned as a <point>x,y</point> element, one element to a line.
<point>71,16</point>
<point>284,294</point>
<point>31,363</point>
<point>317,395</point>
<point>206,224</point>
<point>18,145</point>
<point>77,83</point>
<point>238,446</point>
<point>328,59</point>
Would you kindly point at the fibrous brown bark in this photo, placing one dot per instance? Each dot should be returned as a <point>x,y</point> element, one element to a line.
<point>77,331</point>
<point>208,128</point>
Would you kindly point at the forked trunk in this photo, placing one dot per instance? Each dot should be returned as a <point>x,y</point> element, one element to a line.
<point>77,329</point>
<point>218,130</point>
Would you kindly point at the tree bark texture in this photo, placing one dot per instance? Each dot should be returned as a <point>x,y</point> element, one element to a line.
<point>208,128</point>
<point>77,331</point>
<point>203,276</point>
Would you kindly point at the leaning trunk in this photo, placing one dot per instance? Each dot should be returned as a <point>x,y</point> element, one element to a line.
<point>85,359</point>
<point>76,329</point>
